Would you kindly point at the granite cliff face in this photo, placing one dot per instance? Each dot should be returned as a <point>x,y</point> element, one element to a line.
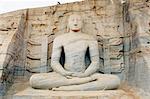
<point>122,31</point>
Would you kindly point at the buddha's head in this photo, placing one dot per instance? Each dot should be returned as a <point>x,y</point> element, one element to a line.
<point>75,23</point>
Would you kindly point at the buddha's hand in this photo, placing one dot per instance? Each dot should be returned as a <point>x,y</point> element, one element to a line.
<point>79,74</point>
<point>67,73</point>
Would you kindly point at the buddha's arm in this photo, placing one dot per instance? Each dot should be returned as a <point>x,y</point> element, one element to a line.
<point>94,55</point>
<point>56,54</point>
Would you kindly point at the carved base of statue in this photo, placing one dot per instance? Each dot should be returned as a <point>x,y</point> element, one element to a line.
<point>31,93</point>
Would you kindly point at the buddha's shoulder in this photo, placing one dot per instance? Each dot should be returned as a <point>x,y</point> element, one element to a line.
<point>88,36</point>
<point>60,37</point>
<point>68,35</point>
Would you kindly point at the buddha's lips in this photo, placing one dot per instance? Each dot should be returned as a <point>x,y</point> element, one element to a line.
<point>76,30</point>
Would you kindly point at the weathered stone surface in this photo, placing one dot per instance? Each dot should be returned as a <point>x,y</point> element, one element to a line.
<point>12,27</point>
<point>30,93</point>
<point>139,57</point>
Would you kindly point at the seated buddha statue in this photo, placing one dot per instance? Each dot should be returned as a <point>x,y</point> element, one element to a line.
<point>74,74</point>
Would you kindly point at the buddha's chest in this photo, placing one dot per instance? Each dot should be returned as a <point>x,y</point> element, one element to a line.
<point>76,46</point>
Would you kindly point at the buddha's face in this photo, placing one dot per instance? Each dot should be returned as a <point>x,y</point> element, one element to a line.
<point>75,23</point>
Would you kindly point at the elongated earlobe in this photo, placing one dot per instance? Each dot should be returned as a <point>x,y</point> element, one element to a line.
<point>68,29</point>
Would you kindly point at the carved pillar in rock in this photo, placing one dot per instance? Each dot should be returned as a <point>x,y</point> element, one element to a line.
<point>126,39</point>
<point>107,67</point>
<point>44,48</point>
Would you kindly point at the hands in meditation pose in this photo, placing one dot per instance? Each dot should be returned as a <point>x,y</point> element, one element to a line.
<point>74,75</point>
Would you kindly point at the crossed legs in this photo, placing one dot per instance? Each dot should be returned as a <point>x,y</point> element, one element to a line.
<point>58,82</point>
<point>102,82</point>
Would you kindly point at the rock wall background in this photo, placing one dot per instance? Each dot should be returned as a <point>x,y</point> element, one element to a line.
<point>139,71</point>
<point>11,47</point>
<point>122,31</point>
